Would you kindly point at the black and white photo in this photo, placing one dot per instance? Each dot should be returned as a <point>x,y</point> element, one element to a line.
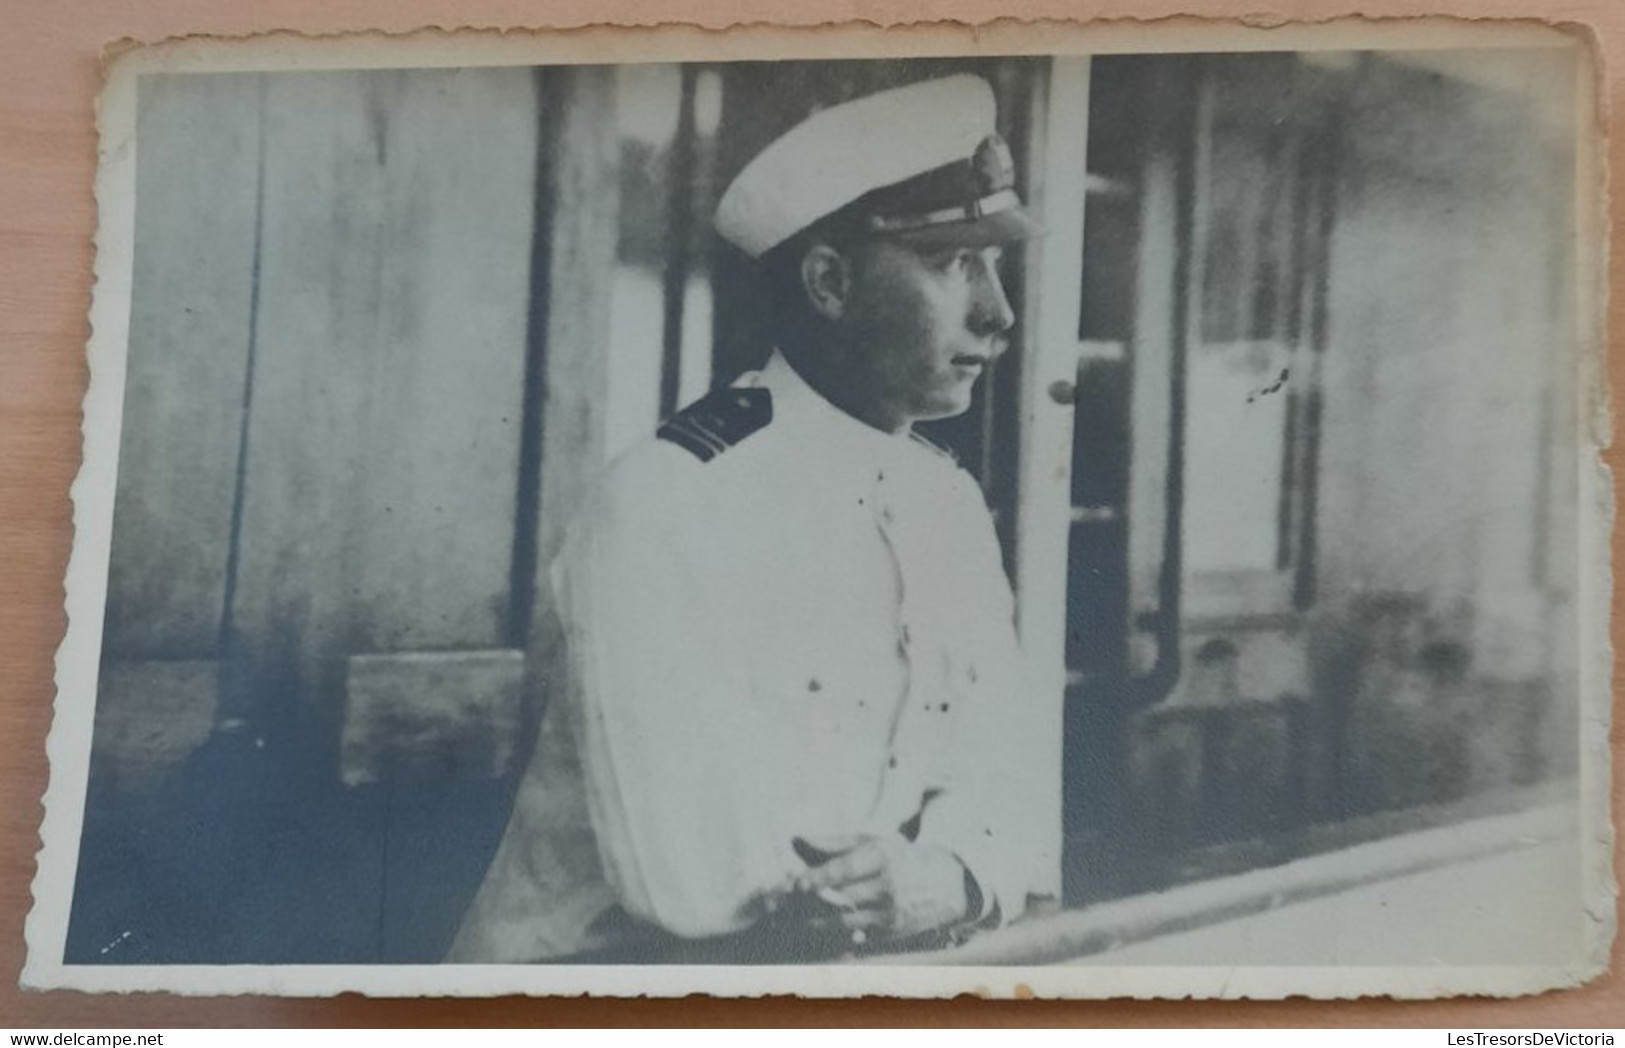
<point>1100,515</point>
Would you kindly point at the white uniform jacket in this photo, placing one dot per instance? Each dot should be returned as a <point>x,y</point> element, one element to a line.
<point>801,631</point>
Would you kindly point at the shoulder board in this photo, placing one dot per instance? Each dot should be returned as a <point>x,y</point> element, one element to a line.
<point>932,446</point>
<point>718,421</point>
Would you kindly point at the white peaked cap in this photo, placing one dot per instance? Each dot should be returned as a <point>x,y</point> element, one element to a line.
<point>838,154</point>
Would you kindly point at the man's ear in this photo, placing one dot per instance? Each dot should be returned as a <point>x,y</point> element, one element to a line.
<point>826,277</point>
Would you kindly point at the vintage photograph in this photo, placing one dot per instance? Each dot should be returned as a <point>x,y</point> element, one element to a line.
<point>753,522</point>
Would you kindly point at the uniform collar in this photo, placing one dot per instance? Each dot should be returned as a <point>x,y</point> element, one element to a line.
<point>804,413</point>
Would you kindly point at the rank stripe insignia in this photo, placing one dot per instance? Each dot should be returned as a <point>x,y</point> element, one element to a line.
<point>718,421</point>
<point>684,432</point>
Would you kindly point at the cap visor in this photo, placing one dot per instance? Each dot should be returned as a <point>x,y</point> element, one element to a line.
<point>1005,227</point>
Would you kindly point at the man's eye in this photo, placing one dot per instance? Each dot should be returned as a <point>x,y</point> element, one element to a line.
<point>991,259</point>
<point>967,260</point>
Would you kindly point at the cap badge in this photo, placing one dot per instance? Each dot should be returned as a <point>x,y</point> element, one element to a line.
<point>993,165</point>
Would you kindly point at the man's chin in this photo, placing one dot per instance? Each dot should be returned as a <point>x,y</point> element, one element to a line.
<point>945,409</point>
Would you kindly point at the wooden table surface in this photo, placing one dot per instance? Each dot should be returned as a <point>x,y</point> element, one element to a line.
<point>48,79</point>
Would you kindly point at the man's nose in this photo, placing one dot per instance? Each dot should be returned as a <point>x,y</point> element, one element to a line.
<point>990,310</point>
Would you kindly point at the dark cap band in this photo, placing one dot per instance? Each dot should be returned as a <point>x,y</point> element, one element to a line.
<point>974,199</point>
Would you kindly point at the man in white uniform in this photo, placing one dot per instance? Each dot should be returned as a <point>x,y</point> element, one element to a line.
<point>790,703</point>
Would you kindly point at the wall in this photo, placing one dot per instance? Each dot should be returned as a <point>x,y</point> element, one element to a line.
<point>1400,642</point>
<point>321,524</point>
<point>1446,528</point>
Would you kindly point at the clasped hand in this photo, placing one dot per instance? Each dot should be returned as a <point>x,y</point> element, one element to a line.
<point>884,887</point>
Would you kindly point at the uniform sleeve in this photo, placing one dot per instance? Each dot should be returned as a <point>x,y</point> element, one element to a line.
<point>990,812</point>
<point>671,749</point>
<point>545,886</point>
